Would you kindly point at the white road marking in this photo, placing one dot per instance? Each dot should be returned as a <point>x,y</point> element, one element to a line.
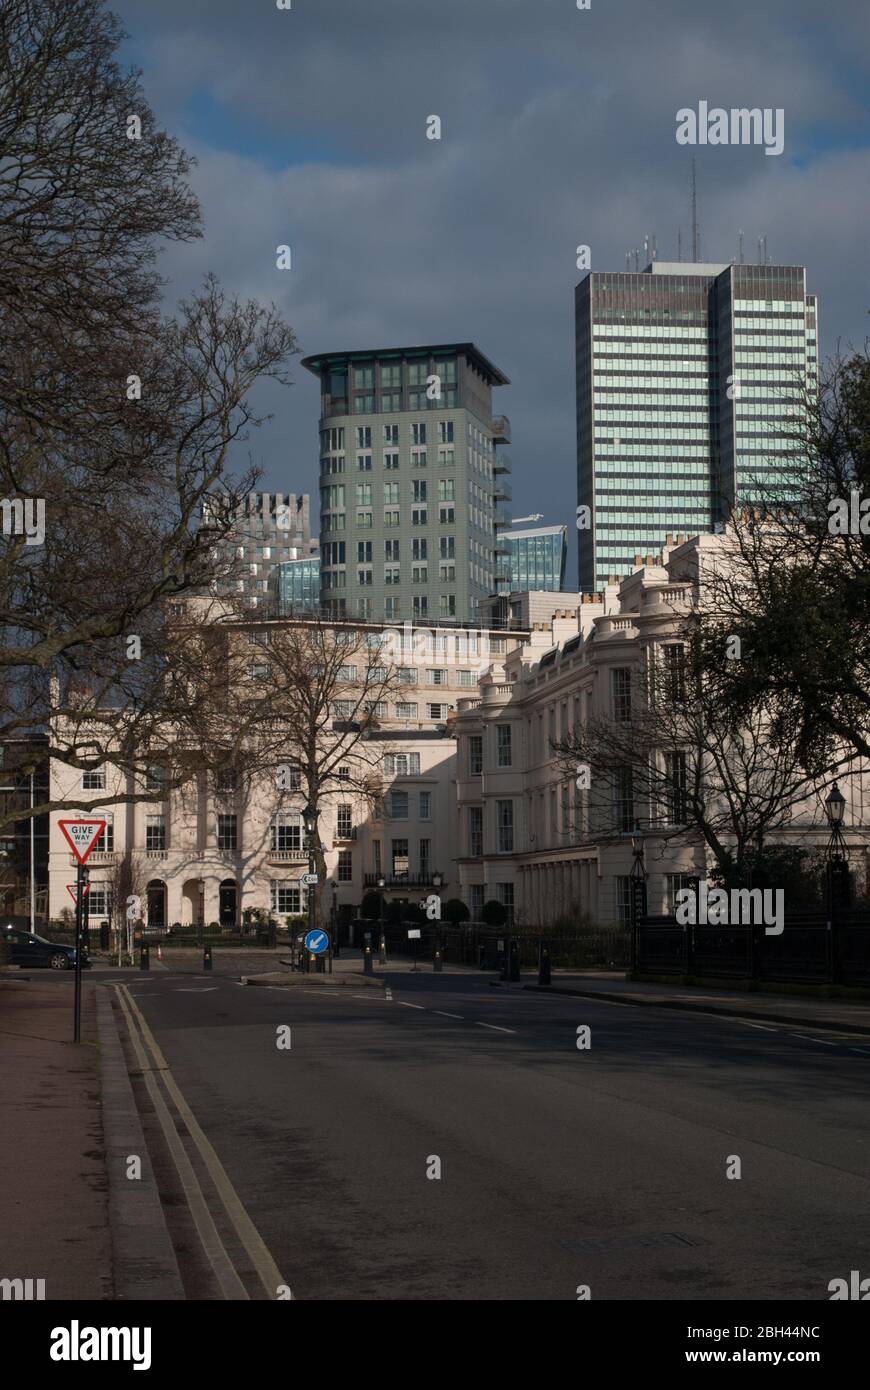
<point>862,1050</point>
<point>805,1038</point>
<point>495,1026</point>
<point>762,1026</point>
<point>412,1006</point>
<point>195,989</point>
<point>444,1015</point>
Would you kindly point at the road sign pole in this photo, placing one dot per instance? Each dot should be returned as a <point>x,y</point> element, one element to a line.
<point>77,1007</point>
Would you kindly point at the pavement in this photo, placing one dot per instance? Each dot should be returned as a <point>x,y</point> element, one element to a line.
<point>53,1178</point>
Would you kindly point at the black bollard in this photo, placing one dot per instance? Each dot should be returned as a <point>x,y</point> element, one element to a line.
<point>544,964</point>
<point>368,963</point>
<point>438,963</point>
<point>206,958</point>
<point>144,957</point>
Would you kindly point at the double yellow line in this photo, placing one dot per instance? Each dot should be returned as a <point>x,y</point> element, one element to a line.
<point>144,1043</point>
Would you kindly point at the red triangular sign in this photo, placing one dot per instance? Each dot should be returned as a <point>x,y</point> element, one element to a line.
<point>71,888</point>
<point>82,835</point>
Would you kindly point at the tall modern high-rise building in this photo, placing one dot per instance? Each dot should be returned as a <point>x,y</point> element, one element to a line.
<point>270,529</point>
<point>413,483</point>
<point>537,559</point>
<point>690,377</point>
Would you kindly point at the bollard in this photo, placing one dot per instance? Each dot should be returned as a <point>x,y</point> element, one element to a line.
<point>438,963</point>
<point>159,951</point>
<point>206,958</point>
<point>144,957</point>
<point>544,965</point>
<point>382,951</point>
<point>368,964</point>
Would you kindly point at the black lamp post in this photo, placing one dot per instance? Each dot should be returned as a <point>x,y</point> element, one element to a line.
<point>309,820</point>
<point>836,855</point>
<point>382,948</point>
<point>638,892</point>
<point>439,955</point>
<point>201,907</point>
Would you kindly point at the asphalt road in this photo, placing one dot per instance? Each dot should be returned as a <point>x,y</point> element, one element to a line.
<point>560,1167</point>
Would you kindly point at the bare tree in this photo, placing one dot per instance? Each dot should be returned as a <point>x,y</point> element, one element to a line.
<point>677,762</point>
<point>118,425</point>
<point>302,711</point>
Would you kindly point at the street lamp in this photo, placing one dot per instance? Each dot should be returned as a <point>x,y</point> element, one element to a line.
<point>836,856</point>
<point>309,820</point>
<point>638,891</point>
<point>200,882</point>
<point>382,949</point>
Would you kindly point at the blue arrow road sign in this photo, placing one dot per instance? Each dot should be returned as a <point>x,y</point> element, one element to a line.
<point>317,942</point>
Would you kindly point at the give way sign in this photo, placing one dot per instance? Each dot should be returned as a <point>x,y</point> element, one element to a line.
<point>82,835</point>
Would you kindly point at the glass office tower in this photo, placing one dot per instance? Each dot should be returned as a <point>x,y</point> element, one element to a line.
<point>687,377</point>
<point>413,483</point>
<point>537,559</point>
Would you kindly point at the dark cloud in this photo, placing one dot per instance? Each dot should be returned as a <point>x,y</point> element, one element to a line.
<point>558,128</point>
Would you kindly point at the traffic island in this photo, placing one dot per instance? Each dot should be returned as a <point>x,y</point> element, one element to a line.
<point>287,979</point>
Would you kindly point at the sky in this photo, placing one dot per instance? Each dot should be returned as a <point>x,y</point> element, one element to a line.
<point>558,129</point>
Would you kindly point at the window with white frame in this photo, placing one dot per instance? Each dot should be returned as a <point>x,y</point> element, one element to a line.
<point>155,831</point>
<point>475,900</point>
<point>99,900</point>
<point>436,676</point>
<point>94,780</point>
<point>475,831</point>
<point>401,764</point>
<point>425,806</point>
<point>439,711</point>
<point>425,858</point>
<point>105,842</point>
<point>285,831</point>
<point>475,755</point>
<point>505,826</point>
<point>503,744</point>
<point>286,897</point>
<point>620,683</point>
<point>406,710</point>
<point>398,805</point>
<point>345,866</point>
<point>344,820</point>
<point>227,832</point>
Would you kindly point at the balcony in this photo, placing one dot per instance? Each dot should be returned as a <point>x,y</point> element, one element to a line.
<point>501,517</point>
<point>99,857</point>
<point>157,854</point>
<point>287,856</point>
<point>501,429</point>
<point>345,837</point>
<point>501,463</point>
<point>423,880</point>
<point>501,489</point>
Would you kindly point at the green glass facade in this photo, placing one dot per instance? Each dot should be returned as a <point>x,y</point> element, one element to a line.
<point>685,374</point>
<point>412,482</point>
<point>295,586</point>
<point>537,559</point>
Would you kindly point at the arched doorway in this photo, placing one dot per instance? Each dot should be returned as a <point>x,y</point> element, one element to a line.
<point>156,894</point>
<point>228,903</point>
<point>193,902</point>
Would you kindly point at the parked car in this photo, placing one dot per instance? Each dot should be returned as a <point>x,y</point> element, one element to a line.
<point>23,948</point>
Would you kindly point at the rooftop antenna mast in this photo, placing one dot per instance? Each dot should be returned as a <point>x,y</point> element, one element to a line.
<point>740,244</point>
<point>696,231</point>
